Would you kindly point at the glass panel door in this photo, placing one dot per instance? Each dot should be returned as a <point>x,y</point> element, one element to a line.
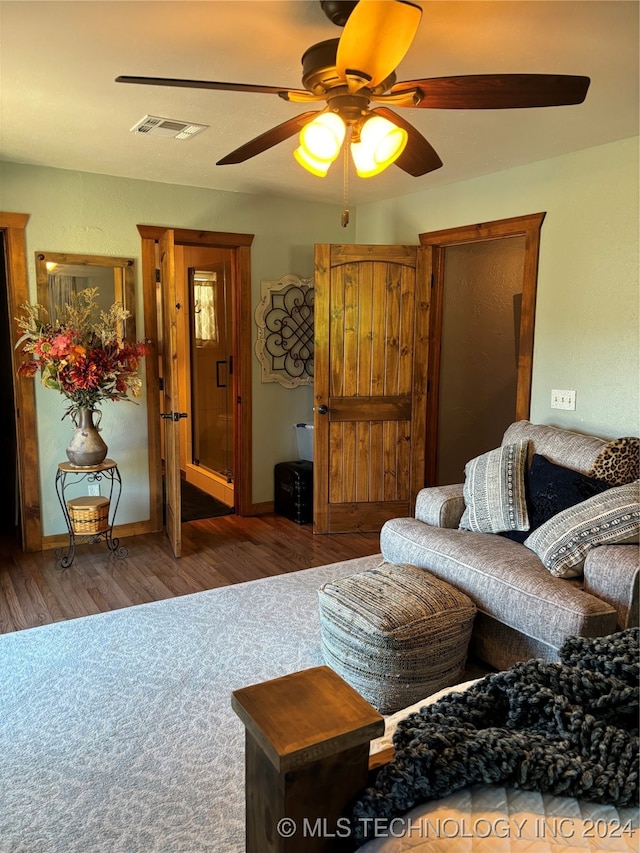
<point>211,369</point>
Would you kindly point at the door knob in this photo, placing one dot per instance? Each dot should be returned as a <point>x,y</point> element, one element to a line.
<point>323,410</point>
<point>174,416</point>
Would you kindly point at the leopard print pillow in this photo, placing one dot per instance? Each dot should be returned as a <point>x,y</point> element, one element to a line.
<point>618,462</point>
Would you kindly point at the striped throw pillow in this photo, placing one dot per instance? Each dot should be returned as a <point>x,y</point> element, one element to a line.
<point>494,490</point>
<point>563,542</point>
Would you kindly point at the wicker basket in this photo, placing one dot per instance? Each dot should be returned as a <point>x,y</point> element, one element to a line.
<point>89,514</point>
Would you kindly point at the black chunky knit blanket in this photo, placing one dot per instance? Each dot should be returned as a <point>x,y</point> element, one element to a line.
<point>568,728</point>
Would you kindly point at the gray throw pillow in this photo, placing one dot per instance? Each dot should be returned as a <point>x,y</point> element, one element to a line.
<point>563,542</point>
<point>494,491</point>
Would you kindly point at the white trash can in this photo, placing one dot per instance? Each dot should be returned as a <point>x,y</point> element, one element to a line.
<point>304,441</point>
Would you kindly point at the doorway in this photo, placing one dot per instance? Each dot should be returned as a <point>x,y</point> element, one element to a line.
<point>211,362</point>
<point>205,283</point>
<point>478,350</point>
<point>484,280</point>
<point>10,518</point>
<point>238,247</point>
<point>16,291</point>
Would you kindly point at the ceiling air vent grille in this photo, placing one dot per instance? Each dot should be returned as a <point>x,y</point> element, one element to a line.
<point>167,127</point>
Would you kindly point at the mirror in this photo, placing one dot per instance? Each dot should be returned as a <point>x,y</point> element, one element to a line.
<point>58,275</point>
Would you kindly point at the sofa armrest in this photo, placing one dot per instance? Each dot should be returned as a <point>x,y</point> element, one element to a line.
<point>440,506</point>
<point>611,573</point>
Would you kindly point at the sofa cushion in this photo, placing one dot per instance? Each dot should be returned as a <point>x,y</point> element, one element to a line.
<point>550,488</point>
<point>562,446</point>
<point>504,579</point>
<point>612,573</point>
<point>618,462</point>
<point>563,542</point>
<point>494,492</point>
<point>442,506</point>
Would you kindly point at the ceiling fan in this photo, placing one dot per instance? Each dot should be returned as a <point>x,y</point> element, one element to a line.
<point>350,72</point>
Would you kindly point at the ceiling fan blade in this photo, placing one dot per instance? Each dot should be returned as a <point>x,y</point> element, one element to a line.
<point>375,39</point>
<point>418,157</point>
<point>496,91</point>
<point>268,140</point>
<point>212,84</point>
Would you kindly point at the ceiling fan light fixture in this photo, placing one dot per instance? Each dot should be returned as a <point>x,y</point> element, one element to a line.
<point>381,143</point>
<point>322,138</point>
<point>319,168</point>
<point>320,143</point>
<point>376,38</point>
<point>366,166</point>
<point>359,67</point>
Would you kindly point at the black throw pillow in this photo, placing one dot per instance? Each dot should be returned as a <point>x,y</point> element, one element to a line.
<point>550,488</point>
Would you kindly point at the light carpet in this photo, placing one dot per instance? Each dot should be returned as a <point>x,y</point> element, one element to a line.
<point>116,731</point>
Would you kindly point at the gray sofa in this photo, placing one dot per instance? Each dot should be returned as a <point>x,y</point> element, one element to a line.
<point>524,611</point>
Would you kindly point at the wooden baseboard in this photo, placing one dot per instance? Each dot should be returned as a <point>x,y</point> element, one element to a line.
<point>59,540</point>
<point>262,508</point>
<point>120,531</point>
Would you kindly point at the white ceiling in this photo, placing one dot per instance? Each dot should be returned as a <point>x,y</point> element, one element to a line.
<point>61,107</point>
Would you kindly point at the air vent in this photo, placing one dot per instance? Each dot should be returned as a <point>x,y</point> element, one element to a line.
<point>168,127</point>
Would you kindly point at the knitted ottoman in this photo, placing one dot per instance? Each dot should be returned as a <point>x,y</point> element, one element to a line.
<point>395,633</point>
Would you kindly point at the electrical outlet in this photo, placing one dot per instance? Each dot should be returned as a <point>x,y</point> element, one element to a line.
<point>563,399</point>
<point>94,489</point>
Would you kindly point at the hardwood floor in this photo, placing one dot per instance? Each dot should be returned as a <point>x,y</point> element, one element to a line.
<point>34,590</point>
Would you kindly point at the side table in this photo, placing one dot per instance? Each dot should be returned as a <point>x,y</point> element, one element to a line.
<point>68,474</point>
<point>306,735</point>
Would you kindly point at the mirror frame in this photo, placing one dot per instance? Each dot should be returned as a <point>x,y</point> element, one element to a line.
<point>127,284</point>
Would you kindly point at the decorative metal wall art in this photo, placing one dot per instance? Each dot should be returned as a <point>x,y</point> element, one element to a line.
<point>284,317</point>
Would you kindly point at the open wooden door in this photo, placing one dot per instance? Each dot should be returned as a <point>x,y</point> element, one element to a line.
<point>170,404</point>
<point>371,319</point>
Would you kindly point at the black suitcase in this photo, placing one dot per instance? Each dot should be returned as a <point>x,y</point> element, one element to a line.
<point>293,491</point>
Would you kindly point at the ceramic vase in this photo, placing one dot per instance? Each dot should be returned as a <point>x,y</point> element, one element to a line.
<point>86,447</point>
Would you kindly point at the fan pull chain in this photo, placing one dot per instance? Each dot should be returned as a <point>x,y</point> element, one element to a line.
<point>345,212</point>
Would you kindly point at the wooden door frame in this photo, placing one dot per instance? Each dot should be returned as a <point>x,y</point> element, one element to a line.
<point>527,226</point>
<point>13,227</point>
<point>170,393</point>
<point>240,244</point>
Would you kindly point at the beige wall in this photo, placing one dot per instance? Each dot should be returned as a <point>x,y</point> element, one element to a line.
<point>587,323</point>
<point>96,214</point>
<point>587,326</point>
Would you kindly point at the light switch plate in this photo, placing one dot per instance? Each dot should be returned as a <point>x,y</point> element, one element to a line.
<point>93,489</point>
<point>563,399</point>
